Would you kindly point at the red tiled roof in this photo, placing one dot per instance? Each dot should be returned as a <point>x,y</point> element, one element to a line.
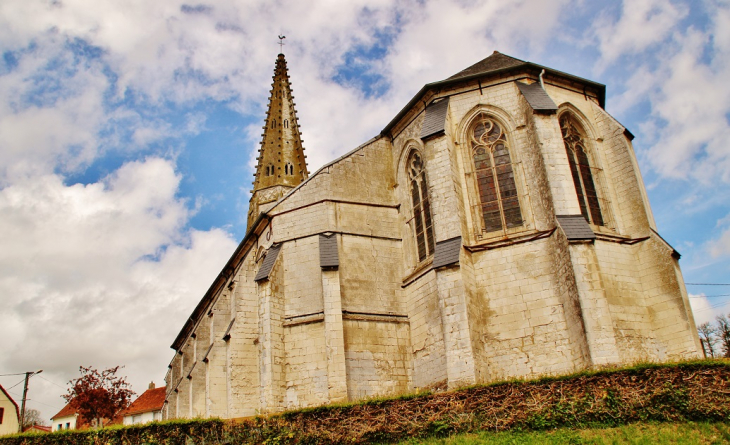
<point>66,411</point>
<point>17,411</point>
<point>81,421</point>
<point>37,428</point>
<point>150,400</point>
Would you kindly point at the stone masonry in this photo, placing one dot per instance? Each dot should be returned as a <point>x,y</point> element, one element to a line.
<point>334,295</point>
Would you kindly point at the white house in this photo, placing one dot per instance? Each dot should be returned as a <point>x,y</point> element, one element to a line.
<point>66,419</point>
<point>147,407</point>
<point>8,413</point>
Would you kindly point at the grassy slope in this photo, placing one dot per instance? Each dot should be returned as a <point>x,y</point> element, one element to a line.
<point>664,433</point>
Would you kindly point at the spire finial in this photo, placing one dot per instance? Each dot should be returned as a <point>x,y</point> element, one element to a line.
<point>281,44</point>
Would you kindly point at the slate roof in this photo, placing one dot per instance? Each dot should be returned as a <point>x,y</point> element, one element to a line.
<point>496,61</point>
<point>537,97</point>
<point>268,264</point>
<point>435,120</point>
<point>150,400</point>
<point>576,227</point>
<point>328,254</point>
<point>495,65</point>
<point>447,252</point>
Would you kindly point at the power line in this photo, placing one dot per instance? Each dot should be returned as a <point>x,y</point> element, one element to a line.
<point>17,373</point>
<point>62,387</point>
<point>52,406</point>
<point>8,389</point>
<point>32,400</point>
<point>707,284</point>
<point>711,296</point>
<point>14,393</point>
<point>714,306</point>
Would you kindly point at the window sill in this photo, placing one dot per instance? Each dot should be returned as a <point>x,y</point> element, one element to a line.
<point>422,268</point>
<point>607,231</point>
<point>523,236</point>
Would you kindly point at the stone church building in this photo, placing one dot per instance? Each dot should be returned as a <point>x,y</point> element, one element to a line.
<point>497,227</point>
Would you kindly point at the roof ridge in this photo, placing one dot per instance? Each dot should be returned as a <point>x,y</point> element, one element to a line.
<point>493,62</point>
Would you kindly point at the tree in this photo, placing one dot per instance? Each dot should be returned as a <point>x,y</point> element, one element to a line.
<point>723,333</point>
<point>32,417</point>
<point>707,337</point>
<point>99,395</point>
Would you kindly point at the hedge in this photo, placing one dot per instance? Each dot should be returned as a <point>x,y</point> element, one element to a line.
<point>690,391</point>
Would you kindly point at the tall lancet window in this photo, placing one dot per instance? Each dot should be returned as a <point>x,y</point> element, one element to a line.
<point>422,224</point>
<point>498,201</point>
<point>581,170</point>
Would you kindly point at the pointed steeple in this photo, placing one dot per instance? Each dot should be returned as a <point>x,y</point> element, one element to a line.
<point>281,162</point>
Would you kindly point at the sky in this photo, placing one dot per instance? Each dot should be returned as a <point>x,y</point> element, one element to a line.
<point>128,132</point>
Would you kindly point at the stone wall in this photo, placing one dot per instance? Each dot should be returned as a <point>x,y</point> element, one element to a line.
<point>522,302</point>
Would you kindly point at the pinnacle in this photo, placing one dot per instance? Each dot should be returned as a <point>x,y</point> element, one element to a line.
<point>281,143</point>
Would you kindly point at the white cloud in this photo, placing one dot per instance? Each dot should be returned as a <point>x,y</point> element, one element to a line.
<point>88,271</point>
<point>705,311</point>
<point>642,23</point>
<point>682,72</point>
<point>720,246</point>
<point>692,103</point>
<point>164,51</point>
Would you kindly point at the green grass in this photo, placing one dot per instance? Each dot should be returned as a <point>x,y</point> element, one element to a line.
<point>689,433</point>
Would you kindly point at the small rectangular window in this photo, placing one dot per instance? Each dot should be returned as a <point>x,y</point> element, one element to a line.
<point>68,425</point>
<point>2,413</point>
<point>60,427</point>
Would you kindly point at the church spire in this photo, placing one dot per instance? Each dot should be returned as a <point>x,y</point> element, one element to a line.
<point>281,162</point>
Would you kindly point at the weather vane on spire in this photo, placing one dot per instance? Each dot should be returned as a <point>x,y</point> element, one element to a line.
<point>281,43</point>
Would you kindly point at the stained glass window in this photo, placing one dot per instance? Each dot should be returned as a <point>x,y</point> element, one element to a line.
<point>581,170</point>
<point>422,224</point>
<point>498,201</point>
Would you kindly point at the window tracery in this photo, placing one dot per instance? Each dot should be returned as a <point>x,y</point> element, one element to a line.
<point>498,200</point>
<point>581,170</point>
<point>289,168</point>
<point>422,222</point>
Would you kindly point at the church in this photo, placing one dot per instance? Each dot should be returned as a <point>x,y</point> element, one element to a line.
<point>497,227</point>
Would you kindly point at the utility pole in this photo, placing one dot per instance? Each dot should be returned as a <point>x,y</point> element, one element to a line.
<point>28,375</point>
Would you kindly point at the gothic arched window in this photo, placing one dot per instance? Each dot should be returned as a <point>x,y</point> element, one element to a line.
<point>422,224</point>
<point>499,204</point>
<point>581,170</point>
<point>273,123</point>
<point>269,170</point>
<point>286,123</point>
<point>289,169</point>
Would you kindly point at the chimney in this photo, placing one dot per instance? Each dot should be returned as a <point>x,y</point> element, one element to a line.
<point>152,385</point>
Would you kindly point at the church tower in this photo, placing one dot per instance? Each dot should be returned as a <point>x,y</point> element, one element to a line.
<point>281,162</point>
